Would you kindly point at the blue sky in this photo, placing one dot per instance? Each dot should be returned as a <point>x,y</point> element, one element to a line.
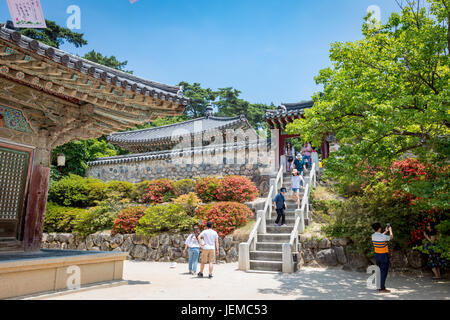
<point>270,50</point>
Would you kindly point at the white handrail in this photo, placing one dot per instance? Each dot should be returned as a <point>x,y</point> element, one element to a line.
<point>288,249</point>
<point>266,213</point>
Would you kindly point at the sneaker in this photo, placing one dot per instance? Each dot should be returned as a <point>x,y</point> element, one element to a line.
<point>210,276</point>
<point>276,224</point>
<point>200,275</point>
<point>284,225</point>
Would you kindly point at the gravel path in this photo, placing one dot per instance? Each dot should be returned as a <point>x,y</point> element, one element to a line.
<point>155,281</point>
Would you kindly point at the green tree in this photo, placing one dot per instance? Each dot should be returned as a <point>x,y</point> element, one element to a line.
<point>230,105</point>
<point>111,61</point>
<point>55,35</point>
<point>79,152</point>
<point>200,98</point>
<point>386,95</point>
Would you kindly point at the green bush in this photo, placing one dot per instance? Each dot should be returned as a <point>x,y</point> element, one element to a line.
<point>353,219</point>
<point>96,219</point>
<point>189,202</point>
<point>206,188</point>
<point>59,218</point>
<point>184,186</point>
<point>76,191</point>
<point>121,189</point>
<point>164,217</point>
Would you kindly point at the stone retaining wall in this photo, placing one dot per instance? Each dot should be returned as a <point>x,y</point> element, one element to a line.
<point>164,248</point>
<point>338,252</point>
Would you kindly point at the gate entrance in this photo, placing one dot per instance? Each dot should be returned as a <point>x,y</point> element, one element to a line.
<point>15,166</point>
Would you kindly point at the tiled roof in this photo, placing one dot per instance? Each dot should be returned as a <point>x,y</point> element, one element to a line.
<point>168,154</point>
<point>289,109</point>
<point>109,75</point>
<point>169,132</point>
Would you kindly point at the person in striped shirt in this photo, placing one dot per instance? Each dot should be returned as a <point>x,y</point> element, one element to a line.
<point>380,244</point>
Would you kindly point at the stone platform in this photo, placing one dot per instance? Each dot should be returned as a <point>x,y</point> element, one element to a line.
<point>26,273</point>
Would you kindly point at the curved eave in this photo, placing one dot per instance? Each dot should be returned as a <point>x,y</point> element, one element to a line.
<point>116,137</point>
<point>116,78</point>
<point>164,155</point>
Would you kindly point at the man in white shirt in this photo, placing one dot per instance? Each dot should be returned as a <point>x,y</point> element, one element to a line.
<point>209,242</point>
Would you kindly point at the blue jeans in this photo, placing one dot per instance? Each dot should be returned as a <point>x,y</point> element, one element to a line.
<point>382,261</point>
<point>193,258</point>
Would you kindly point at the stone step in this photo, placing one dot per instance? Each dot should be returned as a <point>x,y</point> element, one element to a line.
<point>274,229</point>
<point>266,255</point>
<point>274,237</point>
<point>263,272</point>
<point>290,221</point>
<point>269,246</point>
<point>262,265</point>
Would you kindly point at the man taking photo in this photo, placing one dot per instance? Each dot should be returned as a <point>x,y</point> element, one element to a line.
<point>380,243</point>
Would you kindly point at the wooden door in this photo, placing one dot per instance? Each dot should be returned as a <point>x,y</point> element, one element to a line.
<point>15,167</point>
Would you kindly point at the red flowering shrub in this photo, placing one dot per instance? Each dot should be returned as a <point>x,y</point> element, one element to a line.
<point>237,188</point>
<point>409,169</point>
<point>225,216</point>
<point>127,220</point>
<point>159,191</point>
<point>206,188</point>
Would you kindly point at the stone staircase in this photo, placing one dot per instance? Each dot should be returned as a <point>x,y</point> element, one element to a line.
<point>266,255</point>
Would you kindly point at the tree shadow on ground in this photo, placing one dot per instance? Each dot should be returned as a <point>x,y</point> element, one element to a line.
<point>336,284</point>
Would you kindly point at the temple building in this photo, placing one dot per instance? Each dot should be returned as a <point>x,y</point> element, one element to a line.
<point>206,146</point>
<point>277,121</point>
<point>47,98</point>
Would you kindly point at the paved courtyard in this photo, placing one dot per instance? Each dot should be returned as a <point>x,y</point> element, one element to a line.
<point>154,281</point>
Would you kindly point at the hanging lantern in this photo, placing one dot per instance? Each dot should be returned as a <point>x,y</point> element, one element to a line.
<point>61,160</point>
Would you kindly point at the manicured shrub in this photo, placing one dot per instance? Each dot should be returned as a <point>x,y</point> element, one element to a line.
<point>236,188</point>
<point>189,202</point>
<point>201,212</point>
<point>184,186</point>
<point>159,191</point>
<point>206,188</point>
<point>76,191</point>
<point>127,220</point>
<point>164,217</point>
<point>59,218</point>
<point>95,219</point>
<point>140,189</point>
<point>121,189</point>
<point>225,216</point>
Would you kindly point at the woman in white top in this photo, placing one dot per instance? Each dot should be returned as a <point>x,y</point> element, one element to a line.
<point>297,184</point>
<point>315,158</point>
<point>290,155</point>
<point>193,245</point>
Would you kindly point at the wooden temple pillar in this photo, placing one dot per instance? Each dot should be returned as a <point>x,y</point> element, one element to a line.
<point>37,198</point>
<point>325,148</point>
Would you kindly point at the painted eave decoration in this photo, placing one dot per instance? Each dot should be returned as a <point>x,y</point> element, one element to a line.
<point>286,113</point>
<point>56,87</point>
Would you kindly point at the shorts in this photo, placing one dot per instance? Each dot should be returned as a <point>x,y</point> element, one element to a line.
<point>296,189</point>
<point>208,256</point>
